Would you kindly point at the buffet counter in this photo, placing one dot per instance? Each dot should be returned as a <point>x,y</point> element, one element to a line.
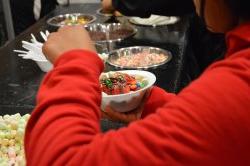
<point>20,79</point>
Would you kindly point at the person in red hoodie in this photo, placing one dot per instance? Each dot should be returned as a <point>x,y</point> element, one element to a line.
<point>207,123</point>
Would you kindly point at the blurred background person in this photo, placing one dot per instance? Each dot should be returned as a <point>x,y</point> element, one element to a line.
<point>27,12</point>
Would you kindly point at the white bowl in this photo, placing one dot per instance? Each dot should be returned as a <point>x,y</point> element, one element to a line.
<point>129,101</point>
<point>44,65</point>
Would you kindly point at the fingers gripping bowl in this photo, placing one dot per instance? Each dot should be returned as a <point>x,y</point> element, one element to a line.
<point>124,99</point>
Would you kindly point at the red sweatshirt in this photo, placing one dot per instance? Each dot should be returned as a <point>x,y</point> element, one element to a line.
<point>208,123</point>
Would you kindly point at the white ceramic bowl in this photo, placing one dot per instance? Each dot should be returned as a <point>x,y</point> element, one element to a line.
<point>129,101</point>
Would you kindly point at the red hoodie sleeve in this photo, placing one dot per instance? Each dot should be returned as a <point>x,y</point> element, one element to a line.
<point>154,101</point>
<point>206,124</point>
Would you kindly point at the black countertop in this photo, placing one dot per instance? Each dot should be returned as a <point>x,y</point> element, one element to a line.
<point>20,79</point>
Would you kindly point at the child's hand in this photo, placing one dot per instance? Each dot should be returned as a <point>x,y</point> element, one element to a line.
<point>107,5</point>
<point>67,38</point>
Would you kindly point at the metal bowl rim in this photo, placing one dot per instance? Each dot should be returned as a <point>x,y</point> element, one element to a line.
<point>66,15</point>
<point>135,30</point>
<point>98,11</point>
<point>166,52</point>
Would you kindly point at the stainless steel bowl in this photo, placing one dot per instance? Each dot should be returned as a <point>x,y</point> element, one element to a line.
<point>134,51</point>
<point>101,13</point>
<point>113,32</point>
<point>58,21</point>
<point>105,14</point>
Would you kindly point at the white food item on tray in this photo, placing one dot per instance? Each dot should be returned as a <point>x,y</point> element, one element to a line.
<point>154,20</point>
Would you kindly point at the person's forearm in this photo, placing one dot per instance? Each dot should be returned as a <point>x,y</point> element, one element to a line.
<point>70,96</point>
<point>144,8</point>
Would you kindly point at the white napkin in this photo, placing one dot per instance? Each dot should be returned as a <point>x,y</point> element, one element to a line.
<point>154,20</point>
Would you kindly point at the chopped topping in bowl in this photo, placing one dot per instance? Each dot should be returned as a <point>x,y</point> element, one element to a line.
<point>71,19</point>
<point>75,21</point>
<point>114,83</point>
<point>143,59</point>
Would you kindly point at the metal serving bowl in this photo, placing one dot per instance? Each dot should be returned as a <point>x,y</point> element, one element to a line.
<point>113,32</point>
<point>131,52</point>
<point>106,14</point>
<point>101,13</point>
<point>59,21</point>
